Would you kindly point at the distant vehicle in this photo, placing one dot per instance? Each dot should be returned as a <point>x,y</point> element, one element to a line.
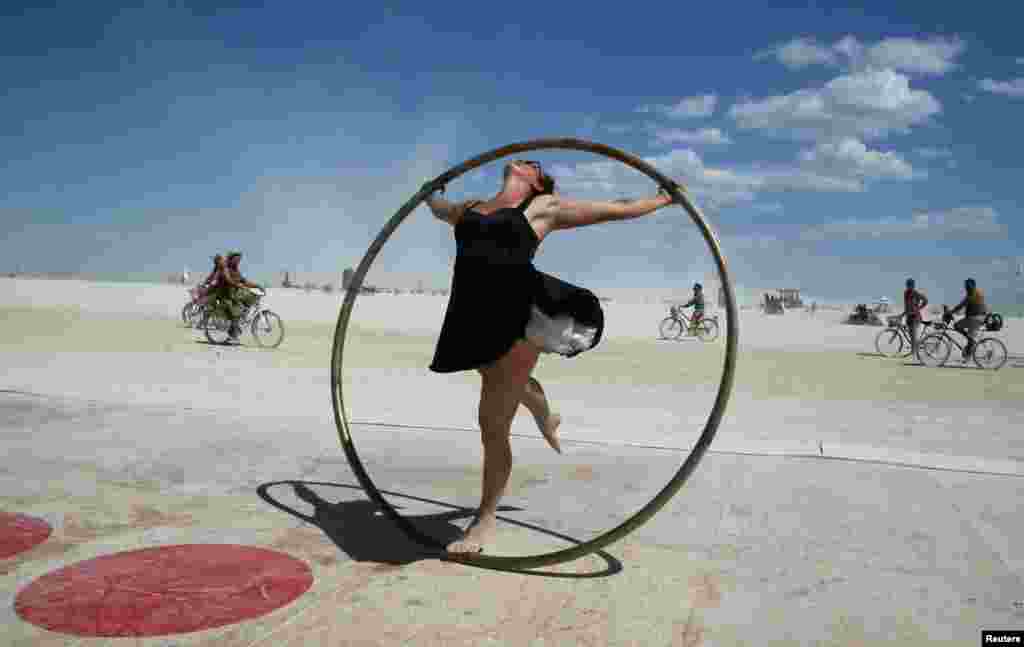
<point>790,298</point>
<point>772,305</point>
<point>863,316</point>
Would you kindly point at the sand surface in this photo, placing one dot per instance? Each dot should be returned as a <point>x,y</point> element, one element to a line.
<point>804,384</point>
<point>847,499</point>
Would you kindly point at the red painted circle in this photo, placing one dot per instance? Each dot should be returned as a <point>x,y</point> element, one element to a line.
<point>19,532</point>
<point>164,590</point>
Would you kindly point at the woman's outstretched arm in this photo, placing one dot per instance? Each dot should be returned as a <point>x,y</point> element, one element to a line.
<point>564,213</point>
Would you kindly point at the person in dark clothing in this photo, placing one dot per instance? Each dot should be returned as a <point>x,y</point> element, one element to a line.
<point>975,309</point>
<point>201,292</point>
<point>913,303</point>
<point>234,294</point>
<point>527,312</point>
<point>698,307</point>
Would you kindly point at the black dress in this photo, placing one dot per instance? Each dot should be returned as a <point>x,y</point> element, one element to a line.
<point>494,285</point>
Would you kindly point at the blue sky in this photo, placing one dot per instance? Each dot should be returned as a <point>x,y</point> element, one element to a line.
<point>833,148</point>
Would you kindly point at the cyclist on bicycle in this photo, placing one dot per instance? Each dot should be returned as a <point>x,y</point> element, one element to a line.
<point>698,306</point>
<point>202,291</point>
<point>233,293</point>
<point>975,309</point>
<point>913,303</point>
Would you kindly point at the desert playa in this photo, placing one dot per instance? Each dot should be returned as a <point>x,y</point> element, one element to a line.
<point>847,498</point>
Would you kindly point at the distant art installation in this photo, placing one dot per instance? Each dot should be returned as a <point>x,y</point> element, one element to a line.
<point>526,562</point>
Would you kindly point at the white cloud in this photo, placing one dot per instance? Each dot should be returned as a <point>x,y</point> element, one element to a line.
<point>930,57</point>
<point>801,52</point>
<point>712,187</point>
<point>849,157</point>
<point>701,105</point>
<point>961,222</point>
<point>711,136</point>
<point>933,153</point>
<point>786,179</point>
<point>1013,88</point>
<point>1020,61</point>
<point>867,104</point>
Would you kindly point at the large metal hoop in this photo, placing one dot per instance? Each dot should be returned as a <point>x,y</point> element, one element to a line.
<point>526,562</point>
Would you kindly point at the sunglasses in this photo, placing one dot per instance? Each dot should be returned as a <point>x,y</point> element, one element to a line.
<point>535,165</point>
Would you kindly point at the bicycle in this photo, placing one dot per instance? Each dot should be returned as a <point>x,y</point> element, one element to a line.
<point>194,310</point>
<point>895,341</point>
<point>989,352</point>
<point>672,326</point>
<point>192,314</point>
<point>262,324</point>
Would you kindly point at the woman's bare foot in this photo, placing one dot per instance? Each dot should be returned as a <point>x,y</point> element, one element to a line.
<point>549,428</point>
<point>546,421</point>
<point>479,533</point>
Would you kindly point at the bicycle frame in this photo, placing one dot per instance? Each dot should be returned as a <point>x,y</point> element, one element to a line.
<point>905,331</point>
<point>945,329</point>
<point>680,316</point>
<point>248,315</point>
<point>994,356</point>
<point>676,312</point>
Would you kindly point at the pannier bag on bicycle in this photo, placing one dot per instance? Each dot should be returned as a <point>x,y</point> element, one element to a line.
<point>994,322</point>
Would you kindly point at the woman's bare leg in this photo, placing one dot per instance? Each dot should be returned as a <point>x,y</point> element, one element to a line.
<point>536,402</point>
<point>500,395</point>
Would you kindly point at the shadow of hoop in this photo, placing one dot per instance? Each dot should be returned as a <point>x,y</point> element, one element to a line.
<point>366,534</point>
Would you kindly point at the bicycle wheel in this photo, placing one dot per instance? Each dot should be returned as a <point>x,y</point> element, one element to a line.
<point>217,327</point>
<point>908,347</point>
<point>708,330</point>
<point>889,342</point>
<point>670,328</point>
<point>198,314</point>
<point>990,353</point>
<point>934,350</point>
<point>268,329</point>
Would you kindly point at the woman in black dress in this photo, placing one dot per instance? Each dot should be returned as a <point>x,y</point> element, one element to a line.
<point>503,312</point>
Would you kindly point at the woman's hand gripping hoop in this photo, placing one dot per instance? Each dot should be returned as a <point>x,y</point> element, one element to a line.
<point>526,562</point>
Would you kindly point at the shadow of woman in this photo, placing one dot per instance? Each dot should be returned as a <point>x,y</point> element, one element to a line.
<point>364,533</point>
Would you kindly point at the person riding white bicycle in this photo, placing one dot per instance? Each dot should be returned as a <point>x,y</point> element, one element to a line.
<point>698,306</point>
<point>234,295</point>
